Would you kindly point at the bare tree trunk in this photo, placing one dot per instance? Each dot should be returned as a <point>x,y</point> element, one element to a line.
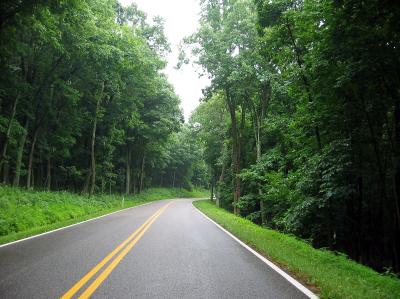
<point>259,116</point>
<point>258,150</point>
<point>33,178</point>
<point>142,174</point>
<point>212,189</point>
<point>128,171</point>
<point>87,182</point>
<point>30,161</point>
<point>92,152</point>
<point>235,153</point>
<point>220,181</point>
<point>173,181</point>
<point>134,179</point>
<point>48,173</point>
<point>6,172</point>
<point>3,157</point>
<point>396,183</point>
<point>18,163</point>
<point>395,145</point>
<point>397,162</point>
<point>93,158</point>
<point>40,171</point>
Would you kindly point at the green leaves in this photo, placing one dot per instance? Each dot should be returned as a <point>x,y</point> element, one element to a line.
<point>83,78</point>
<point>312,100</point>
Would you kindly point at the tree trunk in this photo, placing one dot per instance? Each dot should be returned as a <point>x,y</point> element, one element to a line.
<point>40,171</point>
<point>235,153</point>
<point>397,161</point>
<point>220,181</point>
<point>92,151</point>
<point>87,182</point>
<point>128,171</point>
<point>395,95</point>
<point>142,174</point>
<point>29,177</point>
<point>6,172</point>
<point>48,174</point>
<point>3,157</point>
<point>20,151</point>
<point>396,187</point>
<point>264,98</point>
<point>33,177</point>
<point>258,150</point>
<point>134,179</point>
<point>221,177</point>
<point>212,189</point>
<point>173,181</point>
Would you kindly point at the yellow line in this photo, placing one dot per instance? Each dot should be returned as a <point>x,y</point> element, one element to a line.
<point>71,292</point>
<point>99,280</point>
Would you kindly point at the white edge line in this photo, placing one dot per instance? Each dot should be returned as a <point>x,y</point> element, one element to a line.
<point>289,278</point>
<point>71,225</point>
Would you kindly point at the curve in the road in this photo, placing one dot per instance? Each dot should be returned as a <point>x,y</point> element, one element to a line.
<point>173,253</point>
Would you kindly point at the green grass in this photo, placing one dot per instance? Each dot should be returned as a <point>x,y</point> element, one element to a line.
<point>335,276</point>
<point>25,213</point>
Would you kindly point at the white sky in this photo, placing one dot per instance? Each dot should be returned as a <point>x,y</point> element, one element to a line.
<point>181,19</point>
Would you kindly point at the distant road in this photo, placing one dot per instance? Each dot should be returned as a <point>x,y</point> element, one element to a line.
<point>165,249</point>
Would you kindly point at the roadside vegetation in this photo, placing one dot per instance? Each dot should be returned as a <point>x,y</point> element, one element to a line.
<point>329,274</point>
<point>299,130</point>
<point>84,103</point>
<point>25,213</point>
<point>301,122</point>
<point>85,108</point>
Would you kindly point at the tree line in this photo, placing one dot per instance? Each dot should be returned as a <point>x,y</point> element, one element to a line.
<point>301,123</point>
<point>84,105</point>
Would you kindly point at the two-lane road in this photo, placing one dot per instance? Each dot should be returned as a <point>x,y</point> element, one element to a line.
<point>165,249</point>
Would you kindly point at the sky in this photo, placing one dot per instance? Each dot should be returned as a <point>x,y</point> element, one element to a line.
<point>181,19</point>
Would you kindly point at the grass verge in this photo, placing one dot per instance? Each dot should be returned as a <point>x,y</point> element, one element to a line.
<point>26,213</point>
<point>335,276</point>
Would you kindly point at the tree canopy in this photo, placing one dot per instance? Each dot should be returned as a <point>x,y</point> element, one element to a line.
<point>299,130</point>
<point>301,121</point>
<point>84,103</point>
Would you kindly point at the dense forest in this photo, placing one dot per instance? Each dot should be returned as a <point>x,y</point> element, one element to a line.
<point>299,130</point>
<point>84,105</point>
<point>301,122</point>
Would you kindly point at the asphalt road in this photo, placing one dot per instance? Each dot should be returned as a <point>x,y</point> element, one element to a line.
<point>177,254</point>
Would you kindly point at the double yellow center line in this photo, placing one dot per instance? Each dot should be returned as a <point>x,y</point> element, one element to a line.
<point>122,249</point>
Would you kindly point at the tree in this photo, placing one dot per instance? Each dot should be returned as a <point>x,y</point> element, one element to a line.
<point>222,44</point>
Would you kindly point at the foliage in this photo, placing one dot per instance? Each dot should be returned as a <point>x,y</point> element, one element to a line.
<point>85,106</point>
<point>299,130</point>
<point>307,135</point>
